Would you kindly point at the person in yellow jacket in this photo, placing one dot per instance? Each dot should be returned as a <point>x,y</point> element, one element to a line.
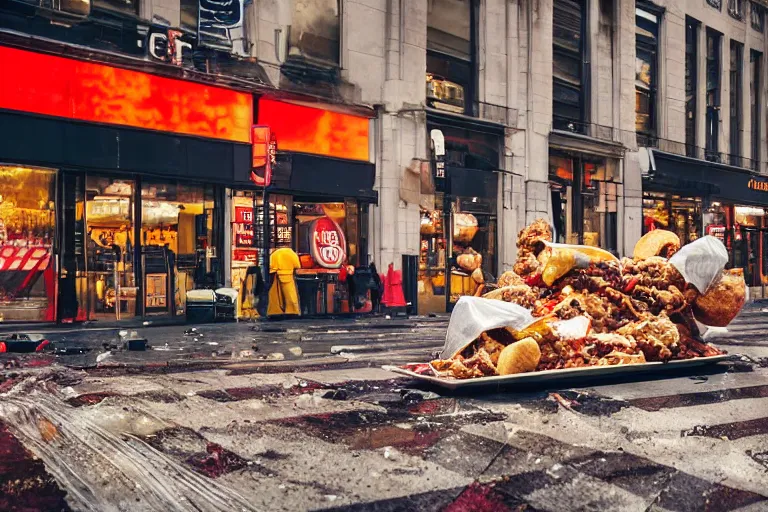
<point>283,296</point>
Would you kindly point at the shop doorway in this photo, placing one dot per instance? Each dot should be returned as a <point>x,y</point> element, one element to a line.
<point>110,244</point>
<point>747,254</point>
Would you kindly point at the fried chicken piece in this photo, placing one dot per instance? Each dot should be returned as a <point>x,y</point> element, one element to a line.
<point>616,357</point>
<point>521,294</point>
<point>490,344</point>
<point>670,300</point>
<point>526,264</point>
<point>532,237</point>
<point>454,368</point>
<point>481,362</point>
<point>654,336</point>
<point>509,278</point>
<point>652,272</point>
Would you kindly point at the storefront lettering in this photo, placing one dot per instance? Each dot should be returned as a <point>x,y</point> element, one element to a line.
<point>754,184</point>
<point>168,46</point>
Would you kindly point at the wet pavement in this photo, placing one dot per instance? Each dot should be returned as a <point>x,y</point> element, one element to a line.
<point>193,425</point>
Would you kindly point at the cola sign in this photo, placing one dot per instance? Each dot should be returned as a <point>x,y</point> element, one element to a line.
<point>327,243</point>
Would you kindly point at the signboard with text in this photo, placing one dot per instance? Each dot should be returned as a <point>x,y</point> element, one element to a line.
<point>327,243</point>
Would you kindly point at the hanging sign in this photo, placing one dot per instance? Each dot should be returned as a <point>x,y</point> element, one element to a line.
<point>264,148</point>
<point>327,243</point>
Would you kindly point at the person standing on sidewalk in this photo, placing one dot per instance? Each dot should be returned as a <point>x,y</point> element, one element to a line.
<point>283,296</point>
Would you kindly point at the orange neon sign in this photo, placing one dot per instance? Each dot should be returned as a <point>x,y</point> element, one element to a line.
<point>315,131</point>
<point>86,91</point>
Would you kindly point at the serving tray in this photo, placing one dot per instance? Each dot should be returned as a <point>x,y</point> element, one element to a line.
<point>548,376</point>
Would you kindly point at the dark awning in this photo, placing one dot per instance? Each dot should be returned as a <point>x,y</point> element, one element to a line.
<point>692,177</point>
<point>473,182</point>
<point>302,174</point>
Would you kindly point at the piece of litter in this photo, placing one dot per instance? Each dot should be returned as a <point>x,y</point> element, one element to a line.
<point>331,497</point>
<point>276,356</point>
<point>296,351</point>
<point>213,343</point>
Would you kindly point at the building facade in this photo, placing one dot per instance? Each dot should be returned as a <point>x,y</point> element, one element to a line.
<point>152,149</point>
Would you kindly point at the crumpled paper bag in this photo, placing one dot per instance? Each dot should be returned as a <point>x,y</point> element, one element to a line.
<point>701,262</point>
<point>474,315</point>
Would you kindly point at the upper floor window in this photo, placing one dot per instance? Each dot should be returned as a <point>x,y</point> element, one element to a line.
<point>736,94</point>
<point>717,4</point>
<point>756,65</point>
<point>568,66</point>
<point>736,9</point>
<point>647,48</point>
<point>691,84</point>
<point>123,6</point>
<point>451,55</point>
<point>712,125</point>
<point>757,16</point>
<point>315,29</point>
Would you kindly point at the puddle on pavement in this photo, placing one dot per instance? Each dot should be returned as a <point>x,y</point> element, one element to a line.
<point>24,482</point>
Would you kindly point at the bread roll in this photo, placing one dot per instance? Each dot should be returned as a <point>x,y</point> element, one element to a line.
<point>658,242</point>
<point>520,357</point>
<point>723,301</point>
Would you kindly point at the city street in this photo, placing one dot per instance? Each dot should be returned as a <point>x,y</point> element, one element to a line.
<point>299,416</point>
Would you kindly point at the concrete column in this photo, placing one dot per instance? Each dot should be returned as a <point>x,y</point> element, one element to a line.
<point>539,120</point>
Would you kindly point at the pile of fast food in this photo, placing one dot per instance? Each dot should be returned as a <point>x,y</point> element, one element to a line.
<point>585,307</point>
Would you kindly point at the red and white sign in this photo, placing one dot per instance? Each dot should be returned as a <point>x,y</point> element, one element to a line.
<point>246,256</point>
<point>243,226</point>
<point>328,244</point>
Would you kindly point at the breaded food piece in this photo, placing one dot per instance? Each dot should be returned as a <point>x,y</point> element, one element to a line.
<point>520,357</point>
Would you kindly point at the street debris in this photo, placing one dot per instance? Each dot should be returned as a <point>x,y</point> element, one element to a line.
<point>47,430</point>
<point>295,351</point>
<point>217,461</point>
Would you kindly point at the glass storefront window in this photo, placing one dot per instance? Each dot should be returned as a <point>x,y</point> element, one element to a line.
<point>431,286</point>
<point>681,215</point>
<point>585,214</point>
<point>27,227</point>
<point>109,214</point>
<point>177,243</point>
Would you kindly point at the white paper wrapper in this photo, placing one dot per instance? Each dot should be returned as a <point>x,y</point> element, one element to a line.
<point>701,261</point>
<point>474,315</point>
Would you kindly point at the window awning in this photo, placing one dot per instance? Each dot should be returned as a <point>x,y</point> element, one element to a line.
<point>692,177</point>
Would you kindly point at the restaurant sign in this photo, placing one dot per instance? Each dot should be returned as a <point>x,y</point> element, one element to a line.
<point>327,243</point>
<point>761,186</point>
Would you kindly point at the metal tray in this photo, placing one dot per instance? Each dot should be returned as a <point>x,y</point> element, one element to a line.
<point>550,376</point>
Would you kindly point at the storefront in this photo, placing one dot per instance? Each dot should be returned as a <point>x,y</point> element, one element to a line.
<point>584,197</point>
<point>466,188</point>
<point>694,198</point>
<point>111,213</point>
<point>318,201</point>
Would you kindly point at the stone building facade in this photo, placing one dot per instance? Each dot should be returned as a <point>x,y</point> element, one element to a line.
<point>606,117</point>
